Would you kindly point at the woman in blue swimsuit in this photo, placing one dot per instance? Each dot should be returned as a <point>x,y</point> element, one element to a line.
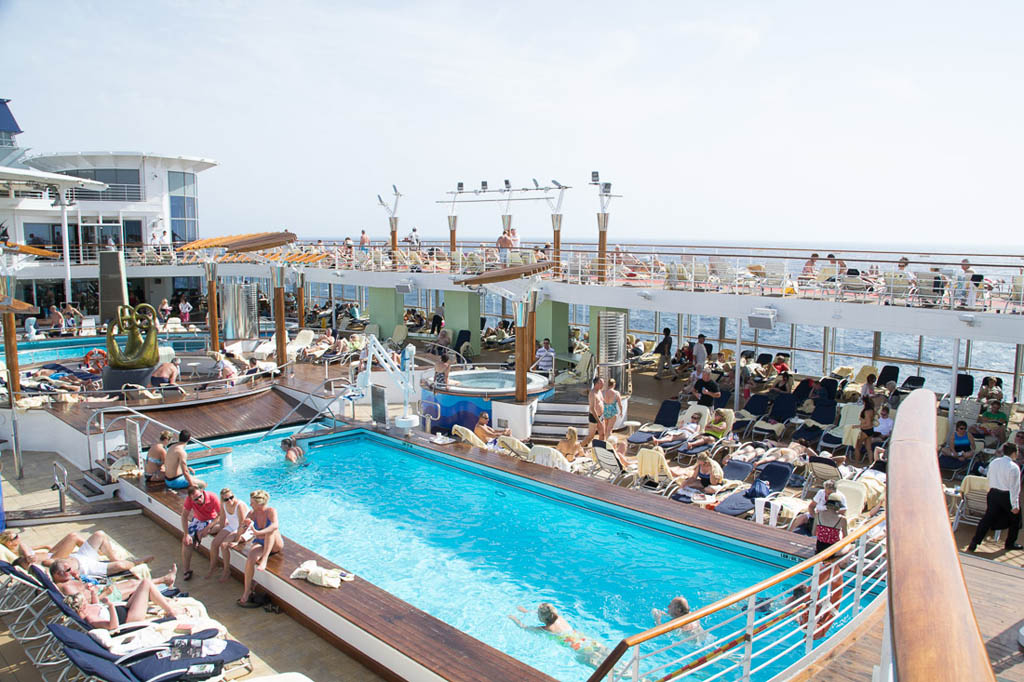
<point>612,407</point>
<point>267,540</point>
<point>959,448</point>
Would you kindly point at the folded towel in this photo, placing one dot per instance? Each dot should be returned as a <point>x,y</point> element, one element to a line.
<point>325,577</point>
<point>125,466</point>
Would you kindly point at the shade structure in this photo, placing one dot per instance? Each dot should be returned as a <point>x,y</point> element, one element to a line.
<point>31,250</point>
<point>505,274</point>
<point>253,241</point>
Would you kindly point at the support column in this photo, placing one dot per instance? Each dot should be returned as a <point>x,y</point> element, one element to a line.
<point>952,385</point>
<point>11,354</point>
<point>334,306</point>
<point>452,220</point>
<point>531,336</point>
<point>602,246</point>
<point>736,397</point>
<point>280,332</point>
<point>212,318</point>
<point>524,344</point>
<point>393,224</point>
<point>65,245</point>
<point>385,307</point>
<point>300,299</point>
<point>462,311</point>
<point>556,244</point>
<point>553,323</point>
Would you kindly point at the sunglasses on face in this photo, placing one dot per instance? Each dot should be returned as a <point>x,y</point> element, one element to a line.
<point>228,498</point>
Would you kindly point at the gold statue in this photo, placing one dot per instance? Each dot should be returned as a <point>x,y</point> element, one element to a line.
<point>138,353</point>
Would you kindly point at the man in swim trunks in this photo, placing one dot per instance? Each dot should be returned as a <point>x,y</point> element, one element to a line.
<point>178,475</point>
<point>86,561</point>
<point>198,514</point>
<point>595,414</point>
<point>167,373</point>
<point>588,651</point>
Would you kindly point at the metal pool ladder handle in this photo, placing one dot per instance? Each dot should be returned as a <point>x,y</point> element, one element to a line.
<point>426,407</point>
<point>327,384</point>
<point>60,484</point>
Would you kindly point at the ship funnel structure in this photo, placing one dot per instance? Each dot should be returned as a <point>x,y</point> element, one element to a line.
<point>611,352</point>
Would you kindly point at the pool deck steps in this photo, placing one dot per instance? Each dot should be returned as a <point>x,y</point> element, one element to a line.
<point>551,420</point>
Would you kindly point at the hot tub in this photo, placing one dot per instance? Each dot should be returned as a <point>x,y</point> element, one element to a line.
<point>470,392</point>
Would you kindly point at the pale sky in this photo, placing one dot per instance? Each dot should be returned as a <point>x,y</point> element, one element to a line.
<point>870,122</point>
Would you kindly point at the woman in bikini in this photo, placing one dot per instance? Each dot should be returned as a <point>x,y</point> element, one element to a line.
<point>292,452</point>
<point>155,457</point>
<point>865,439</point>
<point>232,515</point>
<point>612,407</point>
<point>707,476</point>
<point>102,612</point>
<point>267,540</point>
<point>441,370</point>
<point>570,445</point>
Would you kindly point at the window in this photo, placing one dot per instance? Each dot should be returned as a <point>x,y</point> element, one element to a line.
<point>133,232</point>
<point>184,211</point>
<point>124,184</point>
<point>41,234</point>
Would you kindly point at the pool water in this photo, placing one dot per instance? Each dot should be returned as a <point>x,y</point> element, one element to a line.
<point>57,350</point>
<point>469,544</point>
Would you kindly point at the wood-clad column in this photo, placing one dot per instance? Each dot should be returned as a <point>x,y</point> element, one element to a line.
<point>11,353</point>
<point>300,299</point>
<point>452,220</point>
<point>602,246</point>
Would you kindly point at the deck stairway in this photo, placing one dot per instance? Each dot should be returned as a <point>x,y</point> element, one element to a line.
<point>553,417</point>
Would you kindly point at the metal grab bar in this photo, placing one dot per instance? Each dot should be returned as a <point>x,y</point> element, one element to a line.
<point>60,484</point>
<point>100,413</point>
<point>300,404</point>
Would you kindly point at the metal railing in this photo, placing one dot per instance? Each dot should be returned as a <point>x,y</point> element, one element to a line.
<point>114,192</point>
<point>101,413</point>
<point>305,401</point>
<point>746,634</point>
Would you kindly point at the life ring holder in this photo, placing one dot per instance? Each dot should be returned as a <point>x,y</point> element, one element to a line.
<point>96,358</point>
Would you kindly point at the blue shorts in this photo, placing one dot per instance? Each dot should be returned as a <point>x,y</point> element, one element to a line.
<point>179,483</point>
<point>158,381</point>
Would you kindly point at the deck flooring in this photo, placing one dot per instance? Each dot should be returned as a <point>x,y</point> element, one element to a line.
<point>239,415</point>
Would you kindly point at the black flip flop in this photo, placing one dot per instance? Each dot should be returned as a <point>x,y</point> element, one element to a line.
<point>187,575</point>
<point>247,604</point>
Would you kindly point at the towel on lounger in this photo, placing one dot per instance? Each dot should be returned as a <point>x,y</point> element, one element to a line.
<point>318,575</point>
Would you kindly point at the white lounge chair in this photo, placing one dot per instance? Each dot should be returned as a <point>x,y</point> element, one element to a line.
<point>268,348</point>
<point>302,340</point>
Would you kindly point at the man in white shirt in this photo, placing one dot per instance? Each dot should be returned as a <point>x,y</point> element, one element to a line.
<point>700,355</point>
<point>545,357</point>
<point>1003,509</point>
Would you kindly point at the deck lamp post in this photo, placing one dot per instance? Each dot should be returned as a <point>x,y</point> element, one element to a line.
<point>604,195</point>
<point>278,275</point>
<point>556,222</point>
<point>392,212</point>
<point>212,319</point>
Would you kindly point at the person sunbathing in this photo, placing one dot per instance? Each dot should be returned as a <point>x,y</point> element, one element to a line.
<point>752,452</point>
<point>991,422</point>
<point>682,434</point>
<point>588,651</point>
<point>102,612</point>
<point>319,346</point>
<point>86,561</point>
<point>713,432</point>
<point>570,446</point>
<point>707,475</point>
<point>487,433</point>
<point>43,554</point>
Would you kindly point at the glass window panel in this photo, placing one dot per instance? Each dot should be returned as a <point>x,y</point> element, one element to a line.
<point>107,175</point>
<point>178,231</point>
<point>854,342</point>
<point>641,320</point>
<point>191,233</point>
<point>989,355</point>
<point>808,336</point>
<point>779,336</point>
<point>133,231</point>
<point>175,182</point>
<point>896,345</point>
<point>189,180</point>
<point>127,176</point>
<point>190,208</point>
<point>38,234</point>
<point>177,207</point>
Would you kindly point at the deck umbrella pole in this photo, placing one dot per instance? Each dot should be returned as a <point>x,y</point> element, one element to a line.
<point>280,334</point>
<point>212,319</point>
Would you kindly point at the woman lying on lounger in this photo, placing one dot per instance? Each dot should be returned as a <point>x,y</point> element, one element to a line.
<point>101,612</point>
<point>713,432</point>
<point>684,433</point>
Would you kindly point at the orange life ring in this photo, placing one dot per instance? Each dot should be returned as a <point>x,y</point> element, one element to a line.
<point>96,360</point>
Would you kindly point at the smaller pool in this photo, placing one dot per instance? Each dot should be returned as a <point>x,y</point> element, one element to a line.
<point>470,392</point>
<point>481,381</point>
<point>75,348</point>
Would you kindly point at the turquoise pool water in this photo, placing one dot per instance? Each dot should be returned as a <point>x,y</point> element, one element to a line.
<point>75,348</point>
<point>469,544</point>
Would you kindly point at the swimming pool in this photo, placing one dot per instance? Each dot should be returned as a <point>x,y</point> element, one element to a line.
<point>468,544</point>
<point>75,348</point>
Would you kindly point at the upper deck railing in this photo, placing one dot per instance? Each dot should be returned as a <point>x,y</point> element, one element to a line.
<point>930,279</point>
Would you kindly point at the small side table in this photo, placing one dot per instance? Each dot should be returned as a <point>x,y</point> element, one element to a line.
<point>631,427</point>
<point>194,372</point>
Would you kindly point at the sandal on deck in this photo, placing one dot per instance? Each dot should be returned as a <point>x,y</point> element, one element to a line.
<point>247,604</point>
<point>187,575</point>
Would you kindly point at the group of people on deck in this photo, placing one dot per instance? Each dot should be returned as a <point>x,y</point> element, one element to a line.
<point>228,521</point>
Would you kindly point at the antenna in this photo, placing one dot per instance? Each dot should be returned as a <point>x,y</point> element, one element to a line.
<point>536,184</point>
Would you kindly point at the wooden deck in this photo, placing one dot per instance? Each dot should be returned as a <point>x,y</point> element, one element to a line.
<point>239,415</point>
<point>997,595</point>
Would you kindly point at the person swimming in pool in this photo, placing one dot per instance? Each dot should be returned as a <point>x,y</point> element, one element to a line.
<point>587,650</point>
<point>292,452</point>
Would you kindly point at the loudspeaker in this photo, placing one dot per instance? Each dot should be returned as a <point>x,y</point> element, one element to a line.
<point>113,285</point>
<point>404,287</point>
<point>762,318</point>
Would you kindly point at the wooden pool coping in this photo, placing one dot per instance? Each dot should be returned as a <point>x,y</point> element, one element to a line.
<point>439,648</point>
